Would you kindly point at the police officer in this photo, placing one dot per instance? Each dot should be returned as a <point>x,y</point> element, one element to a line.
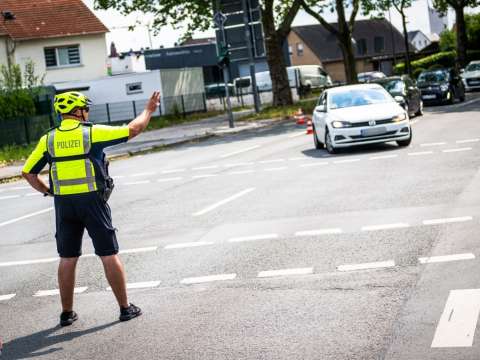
<point>80,185</point>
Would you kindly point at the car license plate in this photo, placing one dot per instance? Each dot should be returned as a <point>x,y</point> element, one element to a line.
<point>374,131</point>
<point>427,97</point>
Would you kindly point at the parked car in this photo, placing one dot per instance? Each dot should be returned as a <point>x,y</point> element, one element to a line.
<point>471,76</point>
<point>441,86</point>
<point>218,90</point>
<point>369,76</point>
<point>405,91</point>
<point>359,114</point>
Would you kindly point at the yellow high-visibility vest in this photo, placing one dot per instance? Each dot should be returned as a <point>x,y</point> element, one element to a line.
<point>71,171</point>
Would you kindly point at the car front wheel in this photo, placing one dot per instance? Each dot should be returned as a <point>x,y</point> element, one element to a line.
<point>420,109</point>
<point>328,143</point>
<point>318,144</point>
<point>405,143</point>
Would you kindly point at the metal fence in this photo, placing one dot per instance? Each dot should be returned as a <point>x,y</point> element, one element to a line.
<point>23,130</point>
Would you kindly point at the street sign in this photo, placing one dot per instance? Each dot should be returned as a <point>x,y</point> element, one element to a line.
<point>219,19</point>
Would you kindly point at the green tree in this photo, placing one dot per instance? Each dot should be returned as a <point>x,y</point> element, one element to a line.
<point>277,18</point>
<point>344,30</point>
<point>447,41</point>
<point>460,25</point>
<point>473,31</point>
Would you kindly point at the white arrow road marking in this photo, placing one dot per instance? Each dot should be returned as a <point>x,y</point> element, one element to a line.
<point>26,216</point>
<point>188,245</point>
<point>140,285</point>
<point>285,272</point>
<point>365,266</point>
<point>39,293</point>
<point>240,151</point>
<point>457,324</point>
<point>446,258</point>
<point>254,237</point>
<point>204,279</point>
<point>223,202</point>
<point>447,220</point>
<point>7,297</point>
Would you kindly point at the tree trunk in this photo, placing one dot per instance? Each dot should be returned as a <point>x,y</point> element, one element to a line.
<point>461,37</point>
<point>282,94</point>
<point>408,66</point>
<point>349,63</point>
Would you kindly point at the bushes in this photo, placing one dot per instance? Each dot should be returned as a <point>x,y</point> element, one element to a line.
<point>440,60</point>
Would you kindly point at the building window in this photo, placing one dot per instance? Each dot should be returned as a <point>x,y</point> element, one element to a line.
<point>299,49</point>
<point>362,47</point>
<point>290,51</point>
<point>62,56</point>
<point>379,44</point>
<point>134,88</point>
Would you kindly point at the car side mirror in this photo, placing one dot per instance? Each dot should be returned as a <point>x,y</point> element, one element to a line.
<point>400,100</point>
<point>321,108</point>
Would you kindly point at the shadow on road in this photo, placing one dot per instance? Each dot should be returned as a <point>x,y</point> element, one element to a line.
<point>351,151</point>
<point>29,346</point>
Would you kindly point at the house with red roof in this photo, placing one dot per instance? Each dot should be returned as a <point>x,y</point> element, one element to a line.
<point>63,38</point>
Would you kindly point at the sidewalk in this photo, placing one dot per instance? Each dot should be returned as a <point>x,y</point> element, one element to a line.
<point>169,136</point>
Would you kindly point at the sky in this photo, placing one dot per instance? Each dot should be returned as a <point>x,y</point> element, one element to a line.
<point>126,40</point>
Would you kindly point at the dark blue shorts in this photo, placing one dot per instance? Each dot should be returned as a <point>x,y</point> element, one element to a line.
<point>74,214</point>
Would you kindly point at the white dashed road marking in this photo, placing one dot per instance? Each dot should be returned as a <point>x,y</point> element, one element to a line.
<point>457,324</point>
<point>319,232</point>
<point>77,290</point>
<point>34,194</point>
<point>9,197</point>
<point>26,216</point>
<point>346,161</point>
<point>277,168</point>
<point>457,150</point>
<point>447,220</point>
<point>205,167</point>
<point>385,227</point>
<point>188,245</point>
<point>433,144</point>
<point>139,250</point>
<point>240,151</point>
<point>420,153</point>
<point>7,297</point>
<point>366,266</point>
<point>296,135</point>
<point>238,164</point>
<point>253,238</point>
<point>446,258</point>
<point>271,161</point>
<point>240,172</point>
<point>140,285</point>
<point>143,174</point>
<point>173,171</point>
<point>204,279</point>
<point>137,182</point>
<point>28,262</point>
<point>223,202</point>
<point>314,164</point>
<point>203,176</point>
<point>285,272</point>
<point>467,141</point>
<point>382,157</point>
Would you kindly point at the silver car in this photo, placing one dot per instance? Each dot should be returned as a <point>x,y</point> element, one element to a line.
<point>471,76</point>
<point>359,114</point>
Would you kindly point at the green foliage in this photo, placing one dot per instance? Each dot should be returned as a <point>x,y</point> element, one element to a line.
<point>439,60</point>
<point>473,31</point>
<point>448,41</point>
<point>417,72</point>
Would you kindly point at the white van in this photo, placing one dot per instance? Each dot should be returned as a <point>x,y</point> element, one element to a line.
<point>306,76</point>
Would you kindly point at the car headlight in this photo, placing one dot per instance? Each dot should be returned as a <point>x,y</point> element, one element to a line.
<point>444,87</point>
<point>400,117</point>
<point>341,124</point>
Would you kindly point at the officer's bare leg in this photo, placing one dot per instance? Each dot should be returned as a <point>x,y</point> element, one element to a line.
<point>115,274</point>
<point>66,281</point>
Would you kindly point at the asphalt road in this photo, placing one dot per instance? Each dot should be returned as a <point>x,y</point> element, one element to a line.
<point>258,246</point>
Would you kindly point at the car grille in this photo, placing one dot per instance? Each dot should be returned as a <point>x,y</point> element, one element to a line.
<point>375,136</point>
<point>377,122</point>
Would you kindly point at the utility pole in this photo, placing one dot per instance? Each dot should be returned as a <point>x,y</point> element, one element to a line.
<point>248,38</point>
<point>393,39</point>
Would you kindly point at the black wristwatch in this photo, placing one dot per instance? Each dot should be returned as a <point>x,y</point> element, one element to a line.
<point>48,193</point>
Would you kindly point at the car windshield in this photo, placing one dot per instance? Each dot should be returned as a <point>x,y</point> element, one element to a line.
<point>434,76</point>
<point>473,67</point>
<point>393,86</point>
<point>358,97</point>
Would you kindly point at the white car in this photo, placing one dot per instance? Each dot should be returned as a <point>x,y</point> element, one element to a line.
<point>471,76</point>
<point>359,114</point>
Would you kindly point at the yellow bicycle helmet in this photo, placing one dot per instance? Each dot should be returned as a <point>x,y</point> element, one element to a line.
<point>66,102</point>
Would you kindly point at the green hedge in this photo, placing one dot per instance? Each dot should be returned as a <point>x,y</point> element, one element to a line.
<point>441,59</point>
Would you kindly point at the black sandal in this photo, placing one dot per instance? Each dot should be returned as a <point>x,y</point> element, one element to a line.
<point>130,312</point>
<point>67,318</point>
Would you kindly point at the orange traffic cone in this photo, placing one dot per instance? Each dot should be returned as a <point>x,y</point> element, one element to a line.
<point>300,117</point>
<point>309,127</point>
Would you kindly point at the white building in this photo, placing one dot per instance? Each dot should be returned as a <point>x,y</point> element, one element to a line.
<point>63,38</point>
<point>419,40</point>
